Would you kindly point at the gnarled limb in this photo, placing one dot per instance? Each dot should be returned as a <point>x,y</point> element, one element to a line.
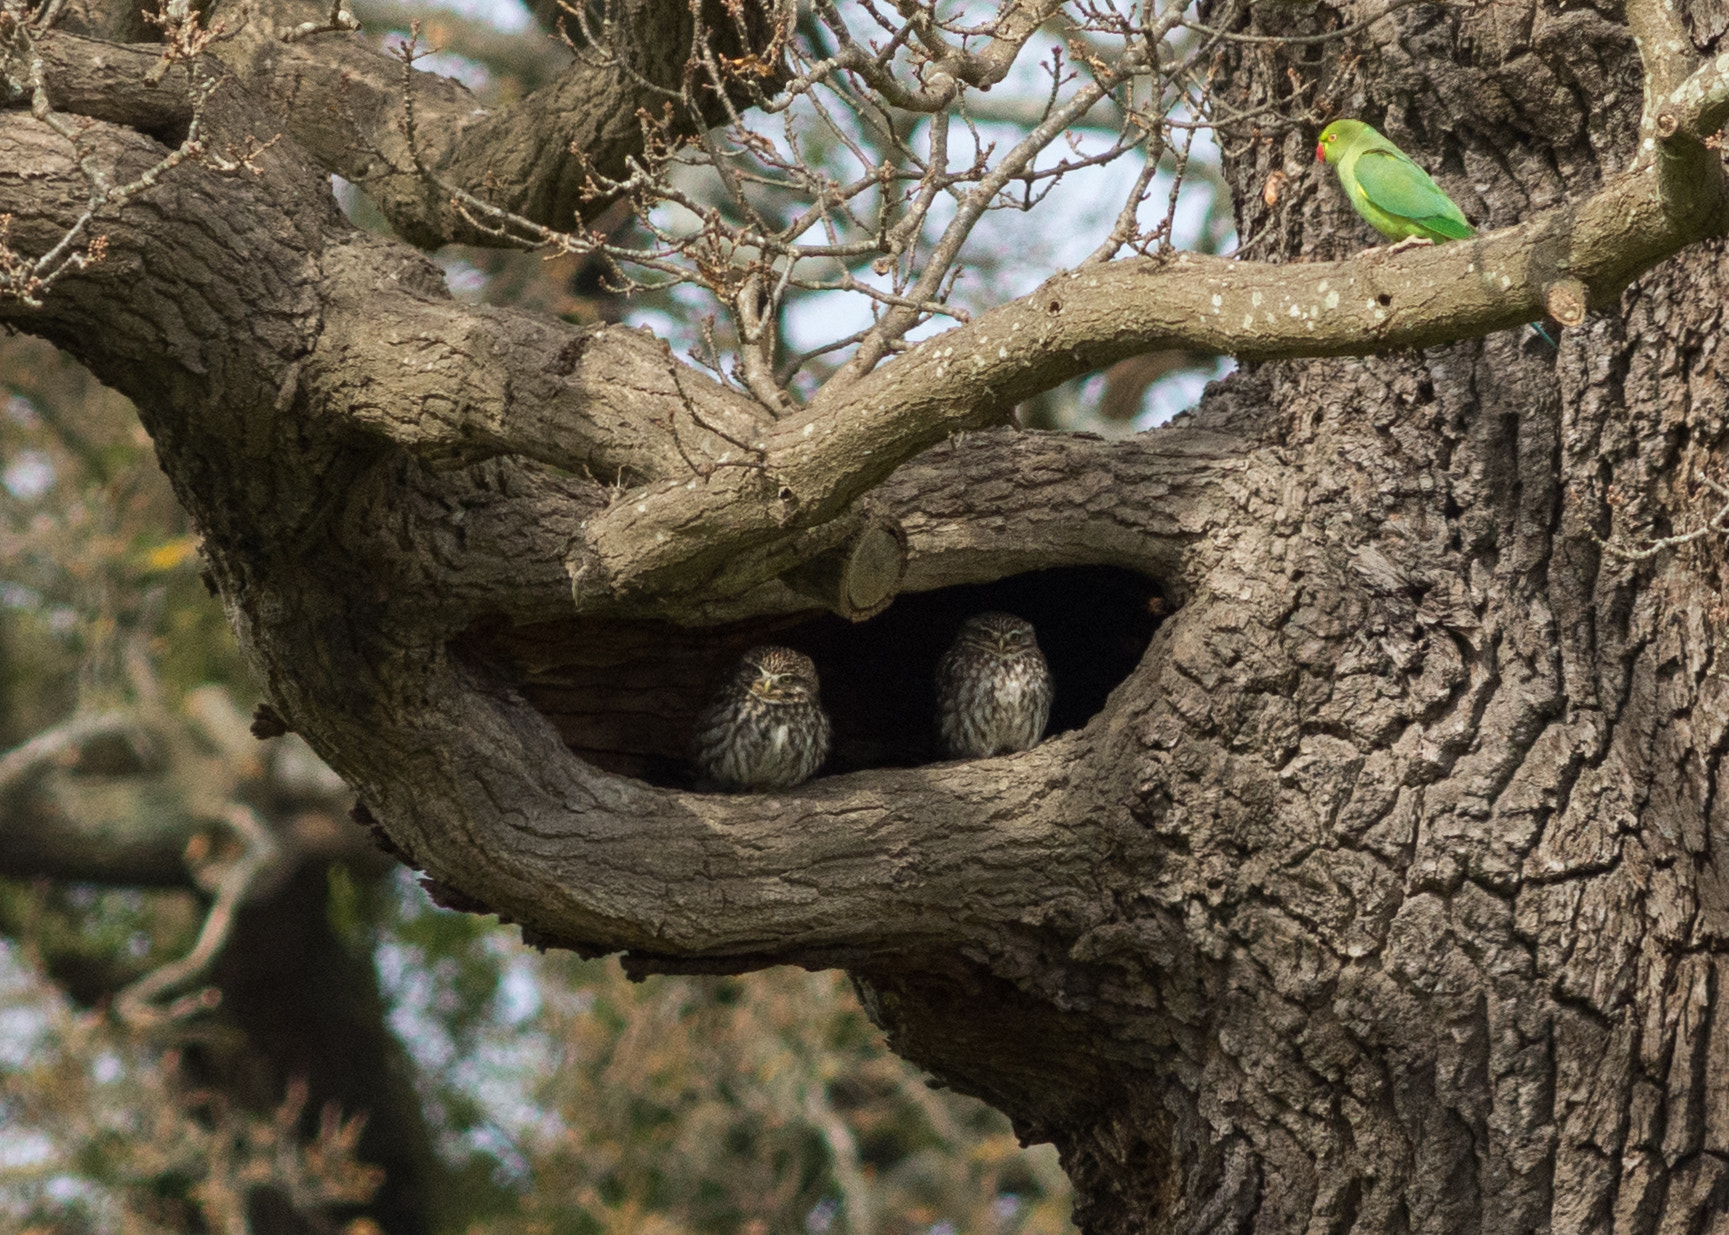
<point>732,503</point>
<point>816,462</point>
<point>453,384</point>
<point>534,157</point>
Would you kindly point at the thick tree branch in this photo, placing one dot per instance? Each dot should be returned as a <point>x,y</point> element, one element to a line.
<point>453,383</point>
<point>533,157</point>
<point>500,529</point>
<point>731,502</point>
<point>1039,526</point>
<point>663,873</point>
<point>107,81</point>
<point>1382,895</point>
<point>814,464</point>
<point>1666,50</point>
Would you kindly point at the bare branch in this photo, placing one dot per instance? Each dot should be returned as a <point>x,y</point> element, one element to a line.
<point>851,435</point>
<point>58,740</point>
<point>28,281</point>
<point>728,500</point>
<point>1667,51</point>
<point>48,15</point>
<point>521,158</point>
<point>137,1003</point>
<point>1127,225</point>
<point>1715,525</point>
<point>982,195</point>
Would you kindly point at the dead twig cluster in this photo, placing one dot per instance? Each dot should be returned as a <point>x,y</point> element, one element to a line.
<point>857,155</point>
<point>137,1121</point>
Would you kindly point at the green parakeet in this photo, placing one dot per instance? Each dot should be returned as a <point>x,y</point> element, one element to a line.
<point>1391,192</point>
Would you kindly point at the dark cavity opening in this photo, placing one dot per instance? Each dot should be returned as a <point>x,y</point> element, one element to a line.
<point>170,133</point>
<point>624,695</point>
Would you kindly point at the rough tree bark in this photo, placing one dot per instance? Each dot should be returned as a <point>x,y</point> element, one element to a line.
<point>1383,894</point>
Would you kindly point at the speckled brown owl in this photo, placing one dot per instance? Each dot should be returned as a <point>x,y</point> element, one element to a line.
<point>765,727</point>
<point>993,688</point>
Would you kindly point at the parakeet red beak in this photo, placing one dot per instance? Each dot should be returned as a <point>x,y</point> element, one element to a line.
<point>1320,153</point>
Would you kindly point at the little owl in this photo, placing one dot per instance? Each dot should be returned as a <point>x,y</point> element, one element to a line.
<point>765,727</point>
<point>993,688</point>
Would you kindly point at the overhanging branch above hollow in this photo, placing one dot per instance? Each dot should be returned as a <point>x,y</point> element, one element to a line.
<point>734,499</point>
<point>815,463</point>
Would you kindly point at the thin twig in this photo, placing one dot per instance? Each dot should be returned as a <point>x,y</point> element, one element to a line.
<point>1718,523</point>
<point>136,1004</point>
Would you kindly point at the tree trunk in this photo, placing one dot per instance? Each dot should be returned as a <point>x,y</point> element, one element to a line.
<point>1380,895</point>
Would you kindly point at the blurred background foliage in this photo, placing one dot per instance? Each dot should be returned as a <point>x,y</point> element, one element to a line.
<point>221,1009</point>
